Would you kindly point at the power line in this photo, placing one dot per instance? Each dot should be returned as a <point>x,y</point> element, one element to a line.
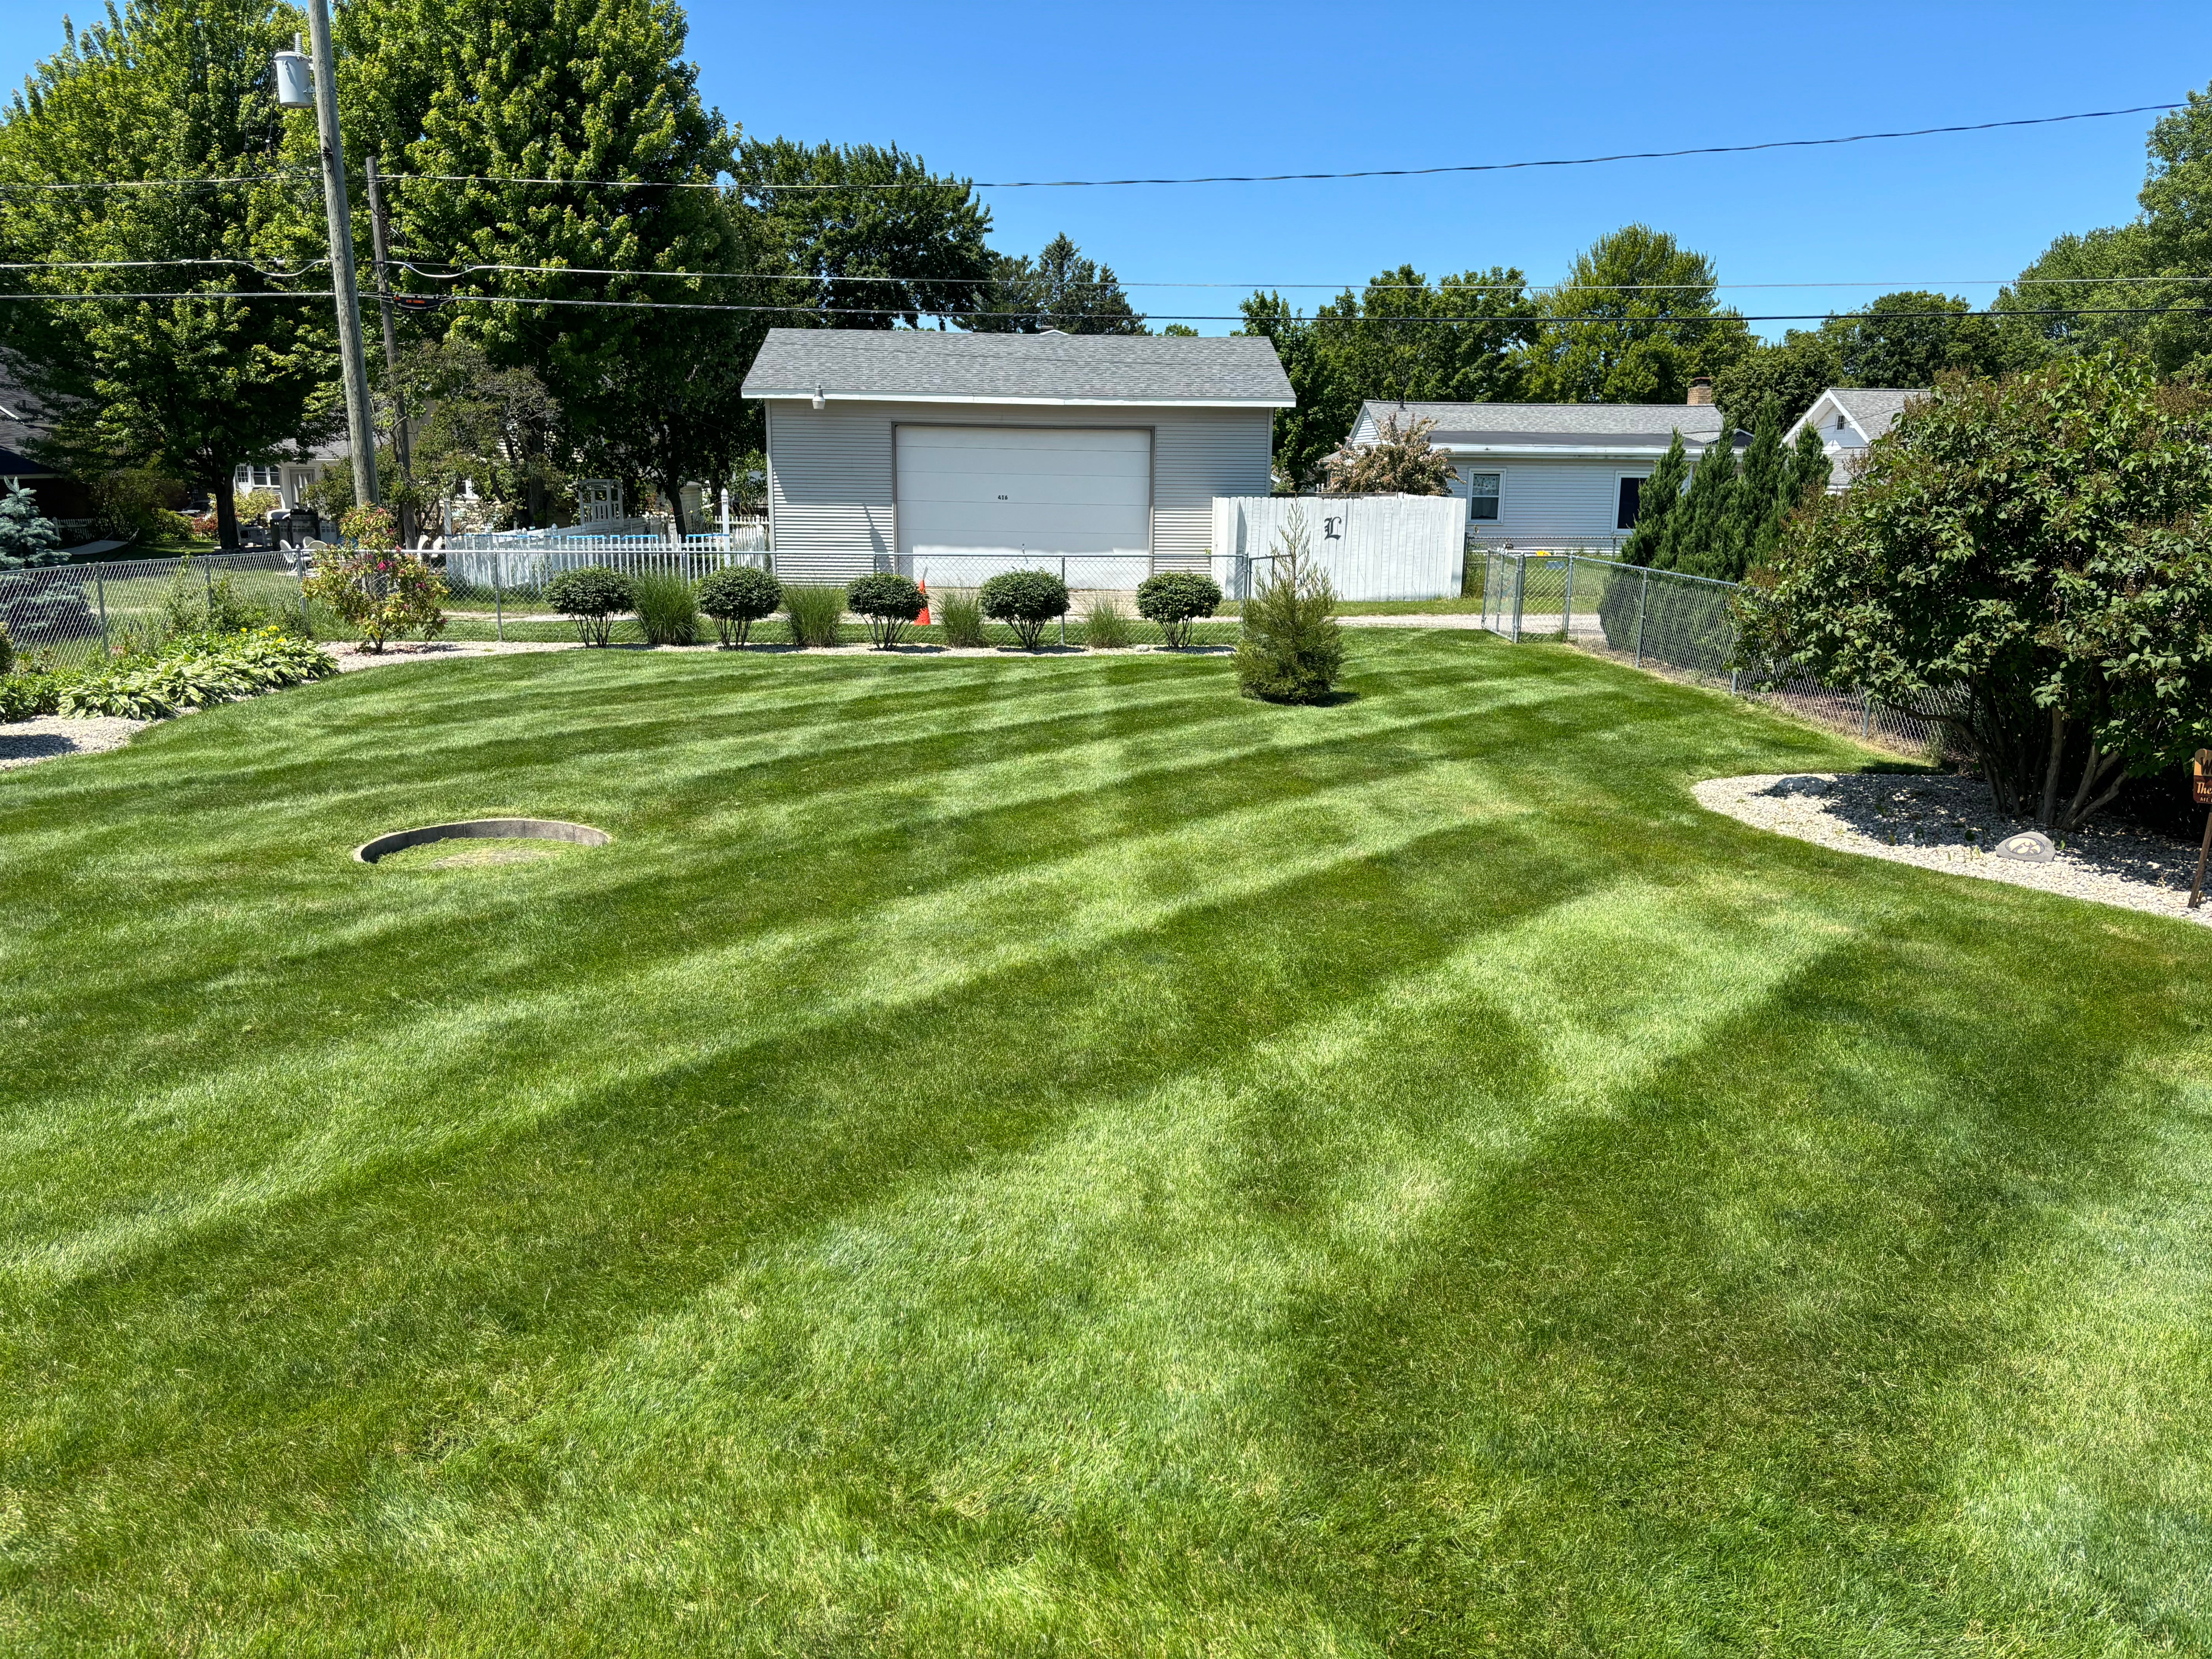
<point>743,186</point>
<point>748,186</point>
<point>1164,317</point>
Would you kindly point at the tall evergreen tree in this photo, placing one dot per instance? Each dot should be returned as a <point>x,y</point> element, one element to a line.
<point>1636,318</point>
<point>1660,495</point>
<point>1703,533</point>
<point>596,94</point>
<point>1810,468</point>
<point>214,373</point>
<point>1059,288</point>
<point>1762,498</point>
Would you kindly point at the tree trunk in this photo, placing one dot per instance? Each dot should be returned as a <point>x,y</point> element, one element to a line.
<point>674,490</point>
<point>226,508</point>
<point>2051,771</point>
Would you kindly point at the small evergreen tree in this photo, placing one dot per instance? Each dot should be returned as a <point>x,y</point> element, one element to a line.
<point>1661,494</point>
<point>1701,537</point>
<point>27,535</point>
<point>1292,649</point>
<point>1808,467</point>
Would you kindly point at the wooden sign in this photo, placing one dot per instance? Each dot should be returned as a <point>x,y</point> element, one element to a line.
<point>2200,777</point>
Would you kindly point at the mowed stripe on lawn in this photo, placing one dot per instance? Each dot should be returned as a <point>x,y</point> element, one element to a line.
<point>1036,1159</point>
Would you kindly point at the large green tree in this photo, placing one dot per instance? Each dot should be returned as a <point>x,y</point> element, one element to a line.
<point>2141,283</point>
<point>1910,339</point>
<point>2028,560</point>
<point>1401,337</point>
<point>1635,319</point>
<point>1058,289</point>
<point>596,95</point>
<point>218,370</point>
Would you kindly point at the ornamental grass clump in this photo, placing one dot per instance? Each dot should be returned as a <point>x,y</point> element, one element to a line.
<point>1106,625</point>
<point>960,614</point>
<point>1025,601</point>
<point>1292,649</point>
<point>591,598</point>
<point>378,593</point>
<point>1174,599</point>
<point>667,608</point>
<point>814,612</point>
<point>736,597</point>
<point>888,604</point>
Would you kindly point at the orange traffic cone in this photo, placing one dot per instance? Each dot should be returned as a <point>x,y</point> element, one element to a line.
<point>922,620</point>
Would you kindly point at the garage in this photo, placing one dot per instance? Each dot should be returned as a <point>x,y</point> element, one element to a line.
<point>910,448</point>
<point>1022,493</point>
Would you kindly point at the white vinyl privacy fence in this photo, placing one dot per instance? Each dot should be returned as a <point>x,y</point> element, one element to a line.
<point>1671,623</point>
<point>1371,547</point>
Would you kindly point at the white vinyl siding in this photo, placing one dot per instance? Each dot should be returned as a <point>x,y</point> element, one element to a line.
<point>830,479</point>
<point>1542,502</point>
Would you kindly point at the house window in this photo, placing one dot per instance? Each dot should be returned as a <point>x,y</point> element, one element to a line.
<point>1631,503</point>
<point>256,477</point>
<point>1839,424</point>
<point>1482,494</point>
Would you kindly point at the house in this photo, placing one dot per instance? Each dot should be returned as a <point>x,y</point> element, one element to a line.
<point>1554,474</point>
<point>989,450</point>
<point>1848,419</point>
<point>24,424</point>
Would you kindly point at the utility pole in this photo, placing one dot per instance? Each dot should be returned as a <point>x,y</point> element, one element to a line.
<point>380,229</point>
<point>361,429</point>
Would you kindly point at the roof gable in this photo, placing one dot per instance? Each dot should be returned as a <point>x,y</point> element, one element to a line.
<point>923,365</point>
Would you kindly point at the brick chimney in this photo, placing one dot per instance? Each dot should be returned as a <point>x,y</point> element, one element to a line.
<point>1701,391</point>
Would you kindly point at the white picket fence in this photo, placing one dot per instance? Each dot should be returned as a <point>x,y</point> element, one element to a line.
<point>1372,547</point>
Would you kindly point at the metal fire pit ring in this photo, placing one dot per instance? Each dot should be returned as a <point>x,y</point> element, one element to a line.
<point>581,835</point>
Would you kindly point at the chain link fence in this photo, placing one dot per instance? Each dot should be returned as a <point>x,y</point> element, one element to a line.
<point>67,613</point>
<point>1678,625</point>
<point>500,580</point>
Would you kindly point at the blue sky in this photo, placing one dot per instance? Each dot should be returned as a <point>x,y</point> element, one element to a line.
<point>1004,92</point>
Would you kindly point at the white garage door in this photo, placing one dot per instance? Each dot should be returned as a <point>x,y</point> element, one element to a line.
<point>973,497</point>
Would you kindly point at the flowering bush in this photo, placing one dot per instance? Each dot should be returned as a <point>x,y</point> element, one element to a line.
<point>378,593</point>
<point>372,527</point>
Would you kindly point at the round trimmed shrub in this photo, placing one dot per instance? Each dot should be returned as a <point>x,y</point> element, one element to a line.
<point>1025,601</point>
<point>888,604</point>
<point>737,596</point>
<point>1174,599</point>
<point>590,597</point>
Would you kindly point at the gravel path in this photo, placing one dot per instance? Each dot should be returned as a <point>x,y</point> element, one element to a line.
<point>1945,822</point>
<point>352,657</point>
<point>49,737</point>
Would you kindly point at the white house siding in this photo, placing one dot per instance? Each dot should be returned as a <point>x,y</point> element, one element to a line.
<point>1570,502</point>
<point>830,484</point>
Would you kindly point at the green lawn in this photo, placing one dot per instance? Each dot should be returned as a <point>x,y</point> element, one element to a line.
<point>1047,1157</point>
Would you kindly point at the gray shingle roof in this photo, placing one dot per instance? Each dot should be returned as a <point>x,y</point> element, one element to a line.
<point>1568,426</point>
<point>1875,409</point>
<point>892,363</point>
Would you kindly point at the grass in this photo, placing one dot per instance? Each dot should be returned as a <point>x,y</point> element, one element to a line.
<point>1048,1156</point>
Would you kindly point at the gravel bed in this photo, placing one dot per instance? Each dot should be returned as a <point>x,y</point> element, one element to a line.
<point>352,657</point>
<point>49,737</point>
<point>1946,823</point>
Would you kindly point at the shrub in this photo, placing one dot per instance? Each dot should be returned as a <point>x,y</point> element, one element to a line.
<point>1105,624</point>
<point>960,613</point>
<point>814,611</point>
<point>667,608</point>
<point>888,604</point>
<point>1174,599</point>
<point>379,593</point>
<point>736,597</point>
<point>1025,601</point>
<point>591,598</point>
<point>193,671</point>
<point>7,652</point>
<point>1292,649</point>
<point>25,697</point>
<point>139,504</point>
<point>369,528</point>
